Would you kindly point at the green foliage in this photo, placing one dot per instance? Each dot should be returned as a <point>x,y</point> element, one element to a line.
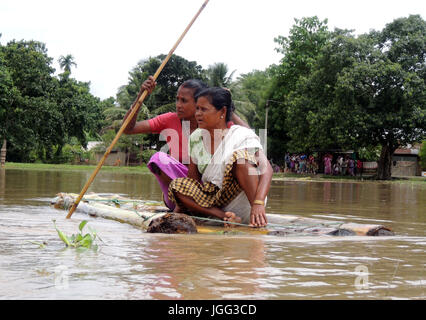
<point>301,49</point>
<point>79,240</point>
<point>80,109</point>
<point>131,144</point>
<point>249,93</point>
<point>370,153</point>
<point>423,155</point>
<point>66,63</point>
<point>39,112</point>
<point>340,91</point>
<point>72,153</point>
<point>217,75</point>
<point>146,154</point>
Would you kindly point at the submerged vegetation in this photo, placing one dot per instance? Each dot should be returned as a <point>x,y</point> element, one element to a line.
<point>80,240</point>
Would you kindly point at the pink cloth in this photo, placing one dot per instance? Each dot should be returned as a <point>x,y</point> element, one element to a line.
<point>327,163</point>
<point>172,168</point>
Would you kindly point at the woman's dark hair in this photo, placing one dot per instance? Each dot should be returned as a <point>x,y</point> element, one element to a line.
<point>219,98</point>
<point>194,84</point>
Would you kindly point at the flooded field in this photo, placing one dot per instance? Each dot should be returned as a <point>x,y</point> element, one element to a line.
<point>136,265</point>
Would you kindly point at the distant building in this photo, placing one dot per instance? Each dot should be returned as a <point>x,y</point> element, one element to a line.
<point>406,161</point>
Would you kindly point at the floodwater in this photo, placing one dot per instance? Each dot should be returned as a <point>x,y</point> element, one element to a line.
<point>136,265</point>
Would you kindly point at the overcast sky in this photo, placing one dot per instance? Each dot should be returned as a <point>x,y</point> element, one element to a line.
<point>109,37</point>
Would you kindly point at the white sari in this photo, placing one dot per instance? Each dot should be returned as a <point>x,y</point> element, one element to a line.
<point>237,138</point>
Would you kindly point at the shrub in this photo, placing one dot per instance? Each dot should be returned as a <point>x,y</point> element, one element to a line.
<point>369,154</point>
<point>146,154</point>
<point>423,155</point>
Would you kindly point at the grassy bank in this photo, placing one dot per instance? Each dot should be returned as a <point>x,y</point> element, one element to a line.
<point>69,167</point>
<point>142,169</point>
<point>328,178</point>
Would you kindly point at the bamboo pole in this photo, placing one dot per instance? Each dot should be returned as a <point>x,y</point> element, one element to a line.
<point>135,108</point>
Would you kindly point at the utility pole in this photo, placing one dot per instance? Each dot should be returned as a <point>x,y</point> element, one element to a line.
<point>265,137</point>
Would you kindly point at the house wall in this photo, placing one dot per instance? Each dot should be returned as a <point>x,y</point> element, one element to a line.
<point>112,158</point>
<point>405,165</point>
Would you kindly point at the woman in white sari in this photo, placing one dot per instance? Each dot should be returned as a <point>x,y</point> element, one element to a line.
<point>229,176</point>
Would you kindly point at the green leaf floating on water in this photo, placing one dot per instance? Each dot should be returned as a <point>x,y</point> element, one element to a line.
<point>86,241</point>
<point>79,240</point>
<point>82,224</point>
<point>62,235</point>
<point>41,245</point>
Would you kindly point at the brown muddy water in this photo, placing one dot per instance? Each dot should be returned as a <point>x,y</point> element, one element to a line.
<point>136,265</point>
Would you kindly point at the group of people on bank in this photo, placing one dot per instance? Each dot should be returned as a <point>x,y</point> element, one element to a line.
<point>215,166</point>
<point>343,165</point>
<point>300,163</point>
<point>337,165</point>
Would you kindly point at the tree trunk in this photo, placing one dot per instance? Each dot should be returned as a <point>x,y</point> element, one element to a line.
<point>384,168</point>
<point>3,154</point>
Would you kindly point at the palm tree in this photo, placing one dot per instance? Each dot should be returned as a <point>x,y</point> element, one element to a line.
<point>217,75</point>
<point>66,62</point>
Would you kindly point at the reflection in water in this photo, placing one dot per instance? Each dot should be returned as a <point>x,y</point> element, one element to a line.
<point>2,182</point>
<point>136,265</point>
<point>214,267</point>
<point>327,192</point>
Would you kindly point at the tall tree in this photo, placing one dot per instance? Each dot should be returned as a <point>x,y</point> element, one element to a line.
<point>364,92</point>
<point>67,62</point>
<point>300,51</point>
<point>392,90</point>
<point>81,111</point>
<point>39,112</point>
<point>217,75</point>
<point>8,93</point>
<point>29,70</point>
<point>250,93</point>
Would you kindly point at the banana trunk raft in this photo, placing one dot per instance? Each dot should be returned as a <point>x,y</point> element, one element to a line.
<point>153,217</point>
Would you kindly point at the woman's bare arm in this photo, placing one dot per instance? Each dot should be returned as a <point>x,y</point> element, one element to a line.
<point>142,126</point>
<point>193,172</point>
<point>258,212</point>
<point>237,120</point>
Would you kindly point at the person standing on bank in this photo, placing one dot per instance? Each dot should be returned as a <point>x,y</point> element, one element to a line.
<point>176,127</point>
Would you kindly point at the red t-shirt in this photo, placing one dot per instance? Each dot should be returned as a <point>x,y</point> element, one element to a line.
<point>170,127</point>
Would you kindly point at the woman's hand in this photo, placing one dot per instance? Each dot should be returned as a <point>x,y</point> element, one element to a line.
<point>149,84</point>
<point>258,216</point>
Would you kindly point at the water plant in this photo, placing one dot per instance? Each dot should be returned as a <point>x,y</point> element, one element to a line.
<point>80,240</point>
<point>41,245</point>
